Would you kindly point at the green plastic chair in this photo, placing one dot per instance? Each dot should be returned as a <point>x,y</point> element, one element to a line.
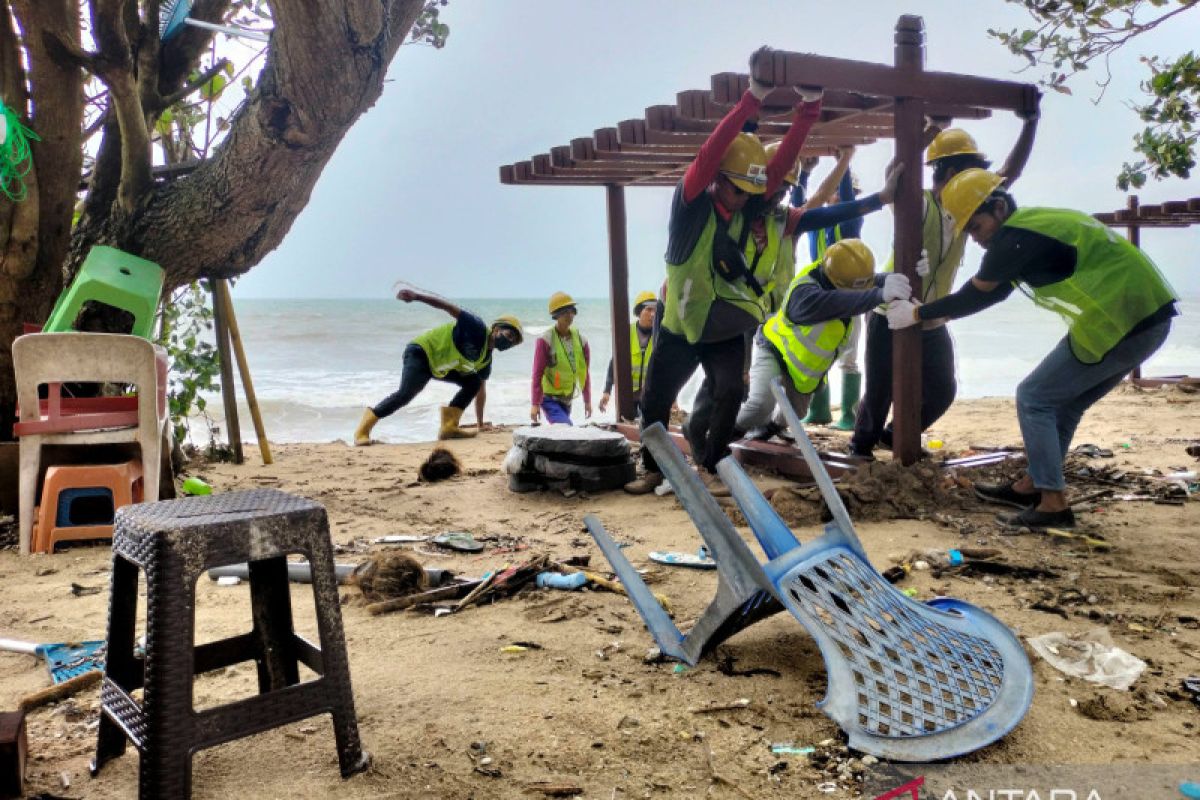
<point>115,278</point>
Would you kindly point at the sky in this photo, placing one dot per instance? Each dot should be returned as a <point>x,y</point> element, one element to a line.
<point>413,191</point>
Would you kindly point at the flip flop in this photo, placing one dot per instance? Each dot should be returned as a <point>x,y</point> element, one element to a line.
<point>458,540</point>
<point>699,560</point>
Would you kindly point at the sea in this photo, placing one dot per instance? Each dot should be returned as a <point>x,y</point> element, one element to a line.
<point>316,364</point>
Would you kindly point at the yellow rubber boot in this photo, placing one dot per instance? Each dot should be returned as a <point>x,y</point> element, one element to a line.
<point>362,435</point>
<point>450,429</point>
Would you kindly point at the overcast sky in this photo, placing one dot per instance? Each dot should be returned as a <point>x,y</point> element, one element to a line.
<point>413,191</point>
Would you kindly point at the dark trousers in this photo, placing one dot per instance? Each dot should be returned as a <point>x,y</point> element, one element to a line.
<point>673,363</point>
<point>938,385</point>
<point>416,374</point>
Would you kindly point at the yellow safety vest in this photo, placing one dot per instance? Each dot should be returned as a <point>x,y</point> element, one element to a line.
<point>808,350</point>
<point>692,286</point>
<point>942,268</point>
<point>444,357</point>
<point>1114,287</point>
<point>639,358</point>
<point>564,377</point>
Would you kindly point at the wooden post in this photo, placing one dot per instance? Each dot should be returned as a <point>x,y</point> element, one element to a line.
<point>618,293</point>
<point>260,431</point>
<point>1135,237</point>
<point>906,344</point>
<point>232,428</point>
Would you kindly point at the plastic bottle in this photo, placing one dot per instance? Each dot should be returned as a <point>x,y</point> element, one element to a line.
<point>556,580</point>
<point>196,486</point>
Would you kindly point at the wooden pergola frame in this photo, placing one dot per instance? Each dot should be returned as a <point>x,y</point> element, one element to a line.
<point>863,102</point>
<point>1134,217</point>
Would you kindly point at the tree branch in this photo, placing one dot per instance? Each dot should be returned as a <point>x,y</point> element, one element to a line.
<point>192,86</point>
<point>325,67</point>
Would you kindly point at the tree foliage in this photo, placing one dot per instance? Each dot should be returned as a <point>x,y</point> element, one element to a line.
<point>1071,36</point>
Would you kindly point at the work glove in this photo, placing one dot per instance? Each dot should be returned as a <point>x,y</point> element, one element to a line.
<point>900,314</point>
<point>896,287</point>
<point>758,88</point>
<point>890,181</point>
<point>923,264</point>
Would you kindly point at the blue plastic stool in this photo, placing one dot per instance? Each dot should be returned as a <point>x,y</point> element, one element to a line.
<point>115,278</point>
<point>67,513</point>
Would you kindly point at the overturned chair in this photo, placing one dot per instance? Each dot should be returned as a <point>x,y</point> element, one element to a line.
<point>908,681</point>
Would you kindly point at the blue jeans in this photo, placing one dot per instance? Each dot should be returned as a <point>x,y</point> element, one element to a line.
<point>1052,399</point>
<point>557,411</point>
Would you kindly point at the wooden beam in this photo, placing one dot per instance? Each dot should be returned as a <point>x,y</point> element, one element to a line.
<point>906,344</point>
<point>806,69</point>
<point>618,295</point>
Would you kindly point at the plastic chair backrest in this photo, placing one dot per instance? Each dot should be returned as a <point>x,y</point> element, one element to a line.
<point>115,278</point>
<point>56,358</point>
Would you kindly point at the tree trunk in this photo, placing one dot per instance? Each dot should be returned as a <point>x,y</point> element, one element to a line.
<point>325,66</point>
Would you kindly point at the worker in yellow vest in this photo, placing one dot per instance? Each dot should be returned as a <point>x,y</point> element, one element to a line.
<point>803,338</point>
<point>714,293</point>
<point>561,359</point>
<point>641,344</point>
<point>1117,306</point>
<point>950,152</point>
<point>458,352</point>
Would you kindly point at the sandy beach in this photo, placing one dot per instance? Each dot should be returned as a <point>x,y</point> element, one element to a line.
<point>446,714</point>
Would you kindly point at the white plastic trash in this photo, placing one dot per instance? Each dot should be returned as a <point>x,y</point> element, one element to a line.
<point>1092,656</point>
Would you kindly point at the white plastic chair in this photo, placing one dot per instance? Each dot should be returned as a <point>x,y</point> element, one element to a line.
<point>56,358</point>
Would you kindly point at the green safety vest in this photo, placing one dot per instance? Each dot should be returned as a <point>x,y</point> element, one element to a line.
<point>785,267</point>
<point>692,286</point>
<point>808,350</point>
<point>444,357</point>
<point>942,268</point>
<point>823,243</point>
<point>638,358</point>
<point>1114,287</point>
<point>561,378</point>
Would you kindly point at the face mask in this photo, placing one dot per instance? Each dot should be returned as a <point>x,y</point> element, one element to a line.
<point>503,343</point>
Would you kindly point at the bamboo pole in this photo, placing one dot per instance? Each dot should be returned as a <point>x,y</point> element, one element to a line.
<point>233,427</point>
<point>244,370</point>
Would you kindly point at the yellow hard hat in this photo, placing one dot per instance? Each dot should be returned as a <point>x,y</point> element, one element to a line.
<point>745,164</point>
<point>642,299</point>
<point>508,320</point>
<point>559,301</point>
<point>850,264</point>
<point>951,142</point>
<point>793,176</point>
<point>965,192</point>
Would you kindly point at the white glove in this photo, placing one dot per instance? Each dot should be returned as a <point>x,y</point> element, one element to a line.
<point>809,94</point>
<point>900,314</point>
<point>923,264</point>
<point>896,287</point>
<point>759,89</point>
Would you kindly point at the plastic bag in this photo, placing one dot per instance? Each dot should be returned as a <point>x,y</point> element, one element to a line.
<point>1092,656</point>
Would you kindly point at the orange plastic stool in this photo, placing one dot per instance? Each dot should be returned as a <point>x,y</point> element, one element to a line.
<point>124,481</point>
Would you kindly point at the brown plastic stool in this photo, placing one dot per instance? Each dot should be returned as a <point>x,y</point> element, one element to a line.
<point>174,542</point>
<point>123,482</point>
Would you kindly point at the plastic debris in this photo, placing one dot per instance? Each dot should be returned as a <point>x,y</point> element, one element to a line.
<point>196,486</point>
<point>791,750</point>
<point>228,580</point>
<point>1092,656</point>
<point>556,580</point>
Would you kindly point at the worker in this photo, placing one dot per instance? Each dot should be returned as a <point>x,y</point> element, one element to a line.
<point>714,293</point>
<point>819,241</point>
<point>561,359</point>
<point>1117,306</point>
<point>458,352</point>
<point>640,347</point>
<point>789,223</point>
<point>949,152</point>
<point>803,338</point>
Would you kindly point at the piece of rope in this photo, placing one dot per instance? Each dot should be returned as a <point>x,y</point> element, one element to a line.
<point>15,161</point>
